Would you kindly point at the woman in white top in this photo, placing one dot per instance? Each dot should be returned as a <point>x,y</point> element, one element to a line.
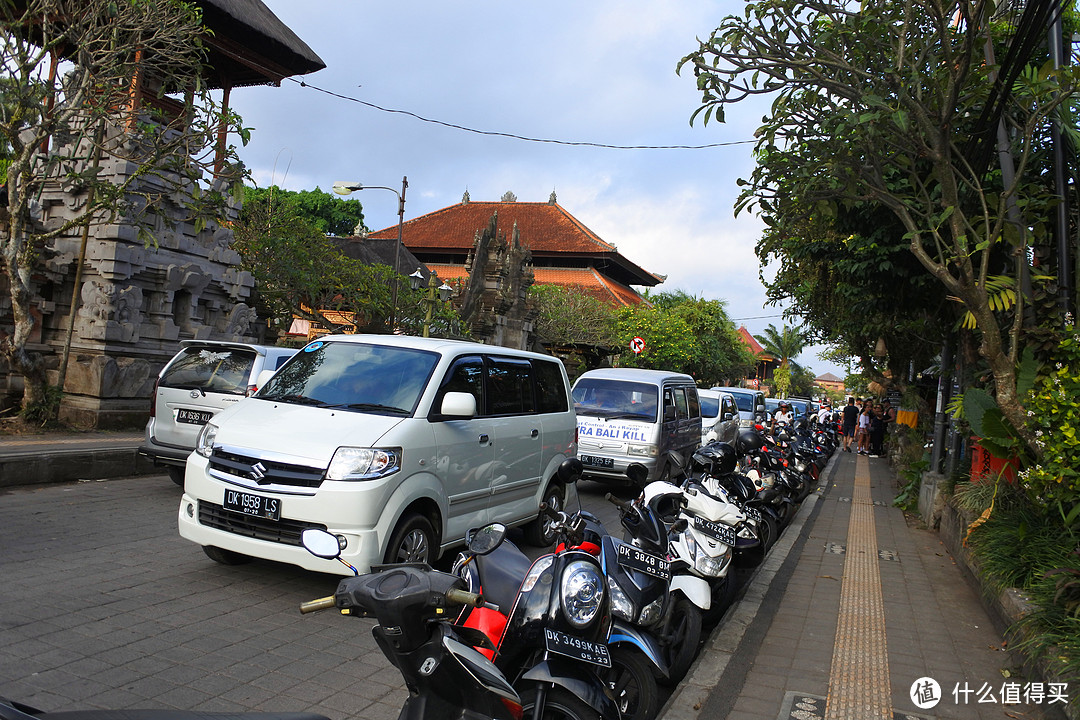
<point>863,433</point>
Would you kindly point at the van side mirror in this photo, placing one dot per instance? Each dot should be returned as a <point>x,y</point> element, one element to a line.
<point>458,405</point>
<point>669,413</point>
<point>728,417</point>
<point>638,474</point>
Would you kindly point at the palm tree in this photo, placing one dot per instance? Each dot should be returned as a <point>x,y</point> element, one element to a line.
<point>784,345</point>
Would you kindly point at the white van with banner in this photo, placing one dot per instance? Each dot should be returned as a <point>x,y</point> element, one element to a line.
<point>628,415</point>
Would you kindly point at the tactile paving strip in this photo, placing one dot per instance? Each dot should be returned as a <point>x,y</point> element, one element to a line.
<point>859,678</point>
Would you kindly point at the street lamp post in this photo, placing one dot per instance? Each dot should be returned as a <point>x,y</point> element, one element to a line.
<point>444,291</point>
<point>346,188</point>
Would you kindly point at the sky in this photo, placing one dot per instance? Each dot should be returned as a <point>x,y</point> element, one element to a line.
<point>601,72</point>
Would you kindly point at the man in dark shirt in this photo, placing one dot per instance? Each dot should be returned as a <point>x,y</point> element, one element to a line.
<point>851,419</point>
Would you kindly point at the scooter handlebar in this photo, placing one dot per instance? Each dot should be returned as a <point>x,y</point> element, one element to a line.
<point>464,597</point>
<point>551,512</point>
<point>618,502</point>
<point>313,605</point>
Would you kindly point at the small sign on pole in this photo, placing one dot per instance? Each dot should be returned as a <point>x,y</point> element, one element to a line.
<point>637,345</point>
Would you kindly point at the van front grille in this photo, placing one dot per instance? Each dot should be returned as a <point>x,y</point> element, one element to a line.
<point>284,531</point>
<point>270,472</point>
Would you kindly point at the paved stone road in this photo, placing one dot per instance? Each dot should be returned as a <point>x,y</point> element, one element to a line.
<point>103,605</point>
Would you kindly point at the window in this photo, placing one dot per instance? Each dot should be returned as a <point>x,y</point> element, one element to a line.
<point>679,394</point>
<point>466,375</point>
<point>550,389</point>
<point>692,408</point>
<point>510,390</point>
<point>213,369</point>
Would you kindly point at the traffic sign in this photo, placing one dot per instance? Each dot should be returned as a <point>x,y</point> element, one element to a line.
<point>637,345</point>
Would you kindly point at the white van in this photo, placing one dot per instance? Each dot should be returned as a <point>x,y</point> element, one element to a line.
<point>627,415</point>
<point>397,445</point>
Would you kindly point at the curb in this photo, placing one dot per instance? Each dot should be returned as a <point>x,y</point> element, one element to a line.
<point>53,465</point>
<point>689,699</point>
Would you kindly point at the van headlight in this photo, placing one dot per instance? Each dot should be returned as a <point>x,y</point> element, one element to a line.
<point>642,450</point>
<point>582,593</point>
<point>353,463</point>
<point>204,444</point>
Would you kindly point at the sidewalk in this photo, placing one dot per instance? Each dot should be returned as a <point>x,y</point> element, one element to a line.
<point>855,613</point>
<point>61,457</point>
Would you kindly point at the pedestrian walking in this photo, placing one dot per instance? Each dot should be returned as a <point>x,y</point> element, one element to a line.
<point>850,423</point>
<point>877,431</point>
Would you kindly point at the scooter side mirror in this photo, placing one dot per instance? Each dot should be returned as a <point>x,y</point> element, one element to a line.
<point>638,474</point>
<point>321,543</point>
<point>486,539</point>
<point>570,470</point>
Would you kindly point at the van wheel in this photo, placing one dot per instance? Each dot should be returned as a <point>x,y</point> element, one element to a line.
<point>176,474</point>
<point>413,540</point>
<point>225,557</point>
<point>541,531</point>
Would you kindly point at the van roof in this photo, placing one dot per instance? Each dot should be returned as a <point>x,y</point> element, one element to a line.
<point>651,376</point>
<point>440,345</point>
<point>738,390</point>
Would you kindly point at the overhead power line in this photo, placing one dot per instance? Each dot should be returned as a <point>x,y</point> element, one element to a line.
<point>514,136</point>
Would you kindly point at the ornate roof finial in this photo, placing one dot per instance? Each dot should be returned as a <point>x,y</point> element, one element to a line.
<point>508,196</point>
<point>552,200</point>
<point>465,197</point>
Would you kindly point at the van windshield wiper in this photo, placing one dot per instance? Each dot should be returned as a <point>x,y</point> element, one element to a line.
<point>374,407</point>
<point>297,399</point>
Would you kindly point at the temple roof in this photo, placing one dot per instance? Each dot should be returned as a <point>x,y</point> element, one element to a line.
<point>553,236</point>
<point>251,46</point>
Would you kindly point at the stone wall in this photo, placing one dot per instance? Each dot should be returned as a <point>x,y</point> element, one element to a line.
<point>136,302</point>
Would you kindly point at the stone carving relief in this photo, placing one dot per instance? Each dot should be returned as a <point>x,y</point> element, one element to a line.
<point>109,311</point>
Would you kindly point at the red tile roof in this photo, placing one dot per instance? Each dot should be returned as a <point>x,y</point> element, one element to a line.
<point>546,228</point>
<point>750,342</point>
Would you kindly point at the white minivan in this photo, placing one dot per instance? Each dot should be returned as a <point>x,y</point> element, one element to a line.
<point>629,415</point>
<point>396,445</point>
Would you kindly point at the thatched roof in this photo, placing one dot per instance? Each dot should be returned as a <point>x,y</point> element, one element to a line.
<point>251,46</point>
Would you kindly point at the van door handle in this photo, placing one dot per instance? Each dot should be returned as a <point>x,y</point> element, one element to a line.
<point>483,439</point>
<point>535,432</point>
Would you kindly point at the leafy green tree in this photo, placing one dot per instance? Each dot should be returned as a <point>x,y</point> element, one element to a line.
<point>569,317</point>
<point>684,334</point>
<point>854,280</point>
<point>298,271</point>
<point>330,214</point>
<point>59,129</point>
<point>877,105</point>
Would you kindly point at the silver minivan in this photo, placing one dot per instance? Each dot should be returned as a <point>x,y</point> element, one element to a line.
<point>751,405</point>
<point>628,415</point>
<point>396,445</point>
<point>719,417</point>
<point>200,381</point>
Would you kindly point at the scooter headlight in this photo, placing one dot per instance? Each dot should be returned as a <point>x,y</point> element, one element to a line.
<point>582,593</point>
<point>621,607</point>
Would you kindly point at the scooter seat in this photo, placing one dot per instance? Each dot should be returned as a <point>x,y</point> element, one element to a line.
<point>501,574</point>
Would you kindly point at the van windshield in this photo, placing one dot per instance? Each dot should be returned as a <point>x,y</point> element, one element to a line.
<point>745,401</point>
<point>353,376</point>
<point>615,399</point>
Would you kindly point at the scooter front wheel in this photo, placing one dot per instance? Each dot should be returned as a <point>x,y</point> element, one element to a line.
<point>633,684</point>
<point>560,704</point>
<point>683,637</point>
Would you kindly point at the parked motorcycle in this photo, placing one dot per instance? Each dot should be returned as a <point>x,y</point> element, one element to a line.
<point>547,622</point>
<point>445,676</point>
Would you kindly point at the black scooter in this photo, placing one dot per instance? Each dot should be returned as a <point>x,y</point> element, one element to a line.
<point>414,606</point>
